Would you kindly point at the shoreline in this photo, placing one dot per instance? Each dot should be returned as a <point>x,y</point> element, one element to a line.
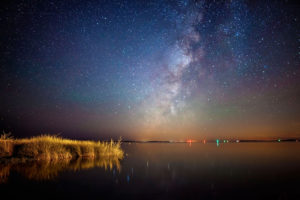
<point>214,141</point>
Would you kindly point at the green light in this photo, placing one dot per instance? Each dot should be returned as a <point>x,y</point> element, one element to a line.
<point>224,141</point>
<point>217,142</point>
<point>278,140</point>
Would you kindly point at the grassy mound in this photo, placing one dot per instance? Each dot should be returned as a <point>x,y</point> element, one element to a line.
<point>47,147</point>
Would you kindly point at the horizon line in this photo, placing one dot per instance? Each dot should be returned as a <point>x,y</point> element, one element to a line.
<point>214,140</point>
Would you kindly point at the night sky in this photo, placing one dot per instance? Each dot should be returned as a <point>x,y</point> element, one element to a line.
<point>150,70</point>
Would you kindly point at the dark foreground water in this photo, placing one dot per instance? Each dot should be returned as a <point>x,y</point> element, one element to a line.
<point>165,171</point>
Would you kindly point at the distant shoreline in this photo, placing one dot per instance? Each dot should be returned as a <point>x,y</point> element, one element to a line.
<point>214,141</point>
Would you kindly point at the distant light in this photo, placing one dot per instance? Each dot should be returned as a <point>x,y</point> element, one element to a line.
<point>224,141</point>
<point>217,142</point>
<point>190,142</point>
<point>237,141</point>
<point>278,140</point>
<point>204,141</point>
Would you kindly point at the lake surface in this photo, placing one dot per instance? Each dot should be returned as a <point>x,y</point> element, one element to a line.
<point>166,171</point>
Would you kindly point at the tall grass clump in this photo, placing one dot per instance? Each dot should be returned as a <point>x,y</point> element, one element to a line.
<point>48,147</point>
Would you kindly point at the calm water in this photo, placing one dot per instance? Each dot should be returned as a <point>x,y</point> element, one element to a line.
<point>166,171</point>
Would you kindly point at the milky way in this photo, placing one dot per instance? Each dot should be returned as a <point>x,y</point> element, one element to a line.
<point>150,69</point>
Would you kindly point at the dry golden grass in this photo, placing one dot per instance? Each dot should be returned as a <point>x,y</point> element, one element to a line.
<point>47,147</point>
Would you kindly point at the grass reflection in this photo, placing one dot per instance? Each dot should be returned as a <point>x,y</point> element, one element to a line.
<point>49,169</point>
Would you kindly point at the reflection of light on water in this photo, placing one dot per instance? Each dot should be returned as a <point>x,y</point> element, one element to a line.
<point>128,178</point>
<point>46,170</point>
<point>4,173</point>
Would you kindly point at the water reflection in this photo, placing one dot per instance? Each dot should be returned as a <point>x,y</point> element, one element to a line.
<point>168,171</point>
<point>47,170</point>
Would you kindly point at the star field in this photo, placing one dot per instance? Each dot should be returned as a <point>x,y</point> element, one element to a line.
<point>150,69</point>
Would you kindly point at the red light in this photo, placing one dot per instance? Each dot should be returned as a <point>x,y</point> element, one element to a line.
<point>190,142</point>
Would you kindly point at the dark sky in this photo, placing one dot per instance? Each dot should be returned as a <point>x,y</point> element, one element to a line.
<point>150,69</point>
